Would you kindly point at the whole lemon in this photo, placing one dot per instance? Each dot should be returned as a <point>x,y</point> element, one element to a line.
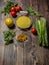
<point>9,22</point>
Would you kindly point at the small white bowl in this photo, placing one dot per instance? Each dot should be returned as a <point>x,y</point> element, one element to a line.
<point>27,42</point>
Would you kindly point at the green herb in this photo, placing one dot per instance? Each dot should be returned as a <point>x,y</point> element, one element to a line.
<point>31,11</point>
<point>8,36</point>
<point>8,6</point>
<point>42,31</point>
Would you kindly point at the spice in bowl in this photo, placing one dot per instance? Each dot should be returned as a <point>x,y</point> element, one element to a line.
<point>22,38</point>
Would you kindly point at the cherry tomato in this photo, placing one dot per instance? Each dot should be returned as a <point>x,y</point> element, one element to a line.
<point>18,8</point>
<point>13,9</point>
<point>33,30</point>
<point>13,13</point>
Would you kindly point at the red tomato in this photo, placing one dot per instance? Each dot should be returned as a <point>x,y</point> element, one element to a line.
<point>33,30</point>
<point>13,9</point>
<point>18,8</point>
<point>13,13</point>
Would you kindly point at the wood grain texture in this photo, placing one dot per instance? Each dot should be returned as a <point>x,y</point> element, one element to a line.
<point>20,56</point>
<point>1,54</point>
<point>30,54</point>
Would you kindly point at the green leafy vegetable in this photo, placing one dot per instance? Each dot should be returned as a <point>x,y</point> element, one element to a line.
<point>31,11</point>
<point>8,36</point>
<point>8,6</point>
<point>42,31</point>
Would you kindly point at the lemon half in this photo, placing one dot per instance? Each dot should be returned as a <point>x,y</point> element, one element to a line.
<point>23,22</point>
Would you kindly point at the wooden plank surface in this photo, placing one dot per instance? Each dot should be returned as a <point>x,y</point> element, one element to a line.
<point>30,54</point>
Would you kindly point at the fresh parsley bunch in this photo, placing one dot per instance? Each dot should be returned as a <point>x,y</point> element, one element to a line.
<point>8,36</point>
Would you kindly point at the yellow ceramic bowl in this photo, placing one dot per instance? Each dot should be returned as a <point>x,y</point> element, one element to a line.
<point>23,22</point>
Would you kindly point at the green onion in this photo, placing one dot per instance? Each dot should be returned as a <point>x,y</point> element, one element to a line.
<point>42,31</point>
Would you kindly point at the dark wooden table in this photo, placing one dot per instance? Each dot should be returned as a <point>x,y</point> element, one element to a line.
<point>31,54</point>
